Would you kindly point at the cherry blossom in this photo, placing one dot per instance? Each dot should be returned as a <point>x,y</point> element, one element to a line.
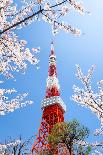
<point>13,52</point>
<point>3,147</point>
<point>86,97</point>
<point>16,146</point>
<point>7,106</point>
<point>26,14</point>
<point>14,55</point>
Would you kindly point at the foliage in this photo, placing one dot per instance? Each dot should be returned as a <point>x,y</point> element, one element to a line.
<point>70,134</point>
<point>82,150</point>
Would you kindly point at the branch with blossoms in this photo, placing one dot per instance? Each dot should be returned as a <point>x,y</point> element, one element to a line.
<point>17,146</point>
<point>27,13</point>
<point>86,96</point>
<point>7,106</point>
<point>5,147</point>
<point>96,147</point>
<point>14,54</point>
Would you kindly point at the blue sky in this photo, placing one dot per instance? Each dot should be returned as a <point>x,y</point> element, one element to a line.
<point>70,50</point>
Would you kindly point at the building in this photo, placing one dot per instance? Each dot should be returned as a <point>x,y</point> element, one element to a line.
<point>52,106</point>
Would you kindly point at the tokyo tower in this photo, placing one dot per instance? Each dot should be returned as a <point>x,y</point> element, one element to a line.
<point>52,106</point>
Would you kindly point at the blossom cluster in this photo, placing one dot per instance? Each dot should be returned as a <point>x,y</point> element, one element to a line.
<point>77,6</point>
<point>27,13</point>
<point>99,132</point>
<point>13,52</point>
<point>7,106</point>
<point>3,147</point>
<point>86,96</point>
<point>54,15</point>
<point>97,147</point>
<point>50,10</point>
<point>14,55</point>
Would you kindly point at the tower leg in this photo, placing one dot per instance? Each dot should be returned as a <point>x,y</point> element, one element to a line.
<point>41,144</point>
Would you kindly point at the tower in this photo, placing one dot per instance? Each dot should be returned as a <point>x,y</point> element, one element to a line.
<point>52,106</point>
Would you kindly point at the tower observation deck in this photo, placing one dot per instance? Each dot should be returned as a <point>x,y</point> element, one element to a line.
<point>52,106</point>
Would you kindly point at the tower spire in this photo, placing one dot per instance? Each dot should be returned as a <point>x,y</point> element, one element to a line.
<point>52,84</point>
<point>52,48</point>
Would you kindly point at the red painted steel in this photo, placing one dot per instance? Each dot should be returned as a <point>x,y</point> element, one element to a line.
<point>52,114</point>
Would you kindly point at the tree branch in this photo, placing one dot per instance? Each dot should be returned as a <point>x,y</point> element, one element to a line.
<point>29,17</point>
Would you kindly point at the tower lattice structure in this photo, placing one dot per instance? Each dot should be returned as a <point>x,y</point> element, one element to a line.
<point>52,106</point>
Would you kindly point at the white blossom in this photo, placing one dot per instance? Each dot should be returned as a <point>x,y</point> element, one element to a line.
<point>86,97</point>
<point>13,52</point>
<point>49,9</point>
<point>64,10</point>
<point>13,55</point>
<point>3,147</point>
<point>7,106</point>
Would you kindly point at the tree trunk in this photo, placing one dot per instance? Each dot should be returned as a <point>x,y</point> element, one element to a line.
<point>70,150</point>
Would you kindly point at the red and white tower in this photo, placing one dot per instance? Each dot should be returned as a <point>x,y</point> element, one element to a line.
<point>52,105</point>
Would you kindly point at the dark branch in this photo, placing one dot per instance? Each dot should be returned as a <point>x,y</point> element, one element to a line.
<point>29,17</point>
<point>22,21</point>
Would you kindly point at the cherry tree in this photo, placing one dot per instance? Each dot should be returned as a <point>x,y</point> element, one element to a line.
<point>6,146</point>
<point>86,97</point>
<point>13,57</point>
<point>14,53</point>
<point>18,146</point>
<point>49,11</point>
